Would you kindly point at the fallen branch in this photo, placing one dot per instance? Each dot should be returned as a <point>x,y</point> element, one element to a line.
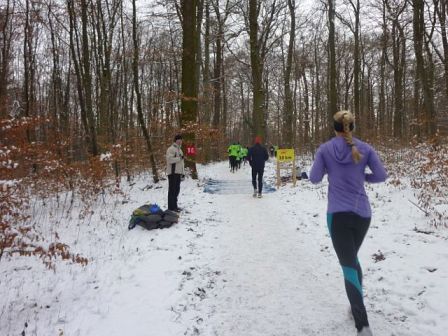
<point>423,231</point>
<point>426,212</point>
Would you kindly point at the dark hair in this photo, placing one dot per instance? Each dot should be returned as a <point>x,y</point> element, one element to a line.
<point>177,137</point>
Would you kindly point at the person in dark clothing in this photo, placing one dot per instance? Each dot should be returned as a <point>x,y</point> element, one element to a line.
<point>175,171</point>
<point>257,156</point>
<point>272,150</point>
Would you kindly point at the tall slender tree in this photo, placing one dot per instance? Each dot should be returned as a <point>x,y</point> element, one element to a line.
<point>288,109</point>
<point>6,37</point>
<point>87,77</point>
<point>138,96</point>
<point>398,41</point>
<point>260,41</point>
<point>421,71</point>
<point>440,7</point>
<point>332,74</point>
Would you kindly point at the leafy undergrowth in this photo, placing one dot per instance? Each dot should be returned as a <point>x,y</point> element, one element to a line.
<point>34,172</point>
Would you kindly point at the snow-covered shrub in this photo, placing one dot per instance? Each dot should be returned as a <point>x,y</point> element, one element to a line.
<point>425,166</point>
<point>24,166</point>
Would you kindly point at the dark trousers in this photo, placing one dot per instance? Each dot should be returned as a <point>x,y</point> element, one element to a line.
<point>173,190</point>
<point>347,231</point>
<point>233,164</point>
<point>257,174</point>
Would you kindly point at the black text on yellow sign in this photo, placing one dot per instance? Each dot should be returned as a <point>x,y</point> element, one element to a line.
<point>285,155</point>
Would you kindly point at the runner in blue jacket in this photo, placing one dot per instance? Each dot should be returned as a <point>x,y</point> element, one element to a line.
<point>257,156</point>
<point>344,159</point>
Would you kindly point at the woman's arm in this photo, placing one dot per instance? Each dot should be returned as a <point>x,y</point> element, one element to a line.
<point>318,170</point>
<point>376,166</point>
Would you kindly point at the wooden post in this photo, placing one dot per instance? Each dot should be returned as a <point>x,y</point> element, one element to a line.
<point>294,173</point>
<point>278,173</point>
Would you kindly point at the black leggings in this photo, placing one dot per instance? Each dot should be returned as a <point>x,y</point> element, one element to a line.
<point>257,176</point>
<point>233,164</point>
<point>347,231</point>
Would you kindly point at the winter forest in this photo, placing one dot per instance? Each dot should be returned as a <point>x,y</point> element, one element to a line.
<point>92,93</point>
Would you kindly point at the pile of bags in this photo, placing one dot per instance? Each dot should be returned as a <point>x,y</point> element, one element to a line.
<point>150,216</point>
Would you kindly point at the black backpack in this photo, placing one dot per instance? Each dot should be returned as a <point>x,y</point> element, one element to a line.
<point>150,216</point>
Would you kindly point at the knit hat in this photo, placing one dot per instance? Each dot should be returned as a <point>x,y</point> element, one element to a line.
<point>258,139</point>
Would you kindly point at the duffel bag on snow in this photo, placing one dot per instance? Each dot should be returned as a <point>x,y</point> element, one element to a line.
<point>170,216</point>
<point>164,224</point>
<point>147,216</point>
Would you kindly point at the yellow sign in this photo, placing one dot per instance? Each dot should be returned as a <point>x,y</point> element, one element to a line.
<point>285,155</point>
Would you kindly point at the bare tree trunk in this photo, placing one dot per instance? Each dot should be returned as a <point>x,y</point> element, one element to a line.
<point>332,90</point>
<point>306,122</point>
<point>206,71</point>
<point>224,118</point>
<point>125,115</point>
<point>105,27</point>
<point>199,19</point>
<point>441,12</point>
<point>57,110</point>
<point>141,120</point>
<point>189,77</point>
<point>244,114</point>
<point>425,84</point>
<point>259,95</point>
<point>87,79</point>
<point>317,95</point>
<point>75,55</point>
<point>398,60</point>
<point>217,80</point>
<point>431,116</point>
<point>29,68</point>
<point>288,104</point>
<point>6,30</point>
<point>381,126</point>
<point>357,66</point>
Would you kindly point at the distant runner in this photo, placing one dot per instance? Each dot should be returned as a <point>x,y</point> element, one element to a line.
<point>257,156</point>
<point>233,151</point>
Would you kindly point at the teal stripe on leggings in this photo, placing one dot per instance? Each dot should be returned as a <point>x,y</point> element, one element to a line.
<point>351,275</point>
<point>329,221</point>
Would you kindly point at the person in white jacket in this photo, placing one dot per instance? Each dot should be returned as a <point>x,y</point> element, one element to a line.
<point>175,169</point>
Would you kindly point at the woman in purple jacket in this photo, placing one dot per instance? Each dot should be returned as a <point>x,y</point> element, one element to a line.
<point>344,159</point>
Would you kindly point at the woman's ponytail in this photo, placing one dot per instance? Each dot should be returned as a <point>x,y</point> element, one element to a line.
<point>344,123</point>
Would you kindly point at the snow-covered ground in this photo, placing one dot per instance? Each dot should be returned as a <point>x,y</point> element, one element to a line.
<point>233,265</point>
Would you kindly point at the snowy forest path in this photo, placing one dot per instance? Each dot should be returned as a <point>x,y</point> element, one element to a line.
<point>279,274</point>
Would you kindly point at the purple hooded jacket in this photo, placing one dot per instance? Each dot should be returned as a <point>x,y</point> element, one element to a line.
<point>345,177</point>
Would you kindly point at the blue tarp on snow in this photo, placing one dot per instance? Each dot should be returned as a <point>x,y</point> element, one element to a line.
<point>233,187</point>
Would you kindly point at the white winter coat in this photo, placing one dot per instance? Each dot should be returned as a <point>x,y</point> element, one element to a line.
<point>175,160</point>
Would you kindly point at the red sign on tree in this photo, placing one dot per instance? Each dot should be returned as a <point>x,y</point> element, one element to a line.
<point>191,150</point>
